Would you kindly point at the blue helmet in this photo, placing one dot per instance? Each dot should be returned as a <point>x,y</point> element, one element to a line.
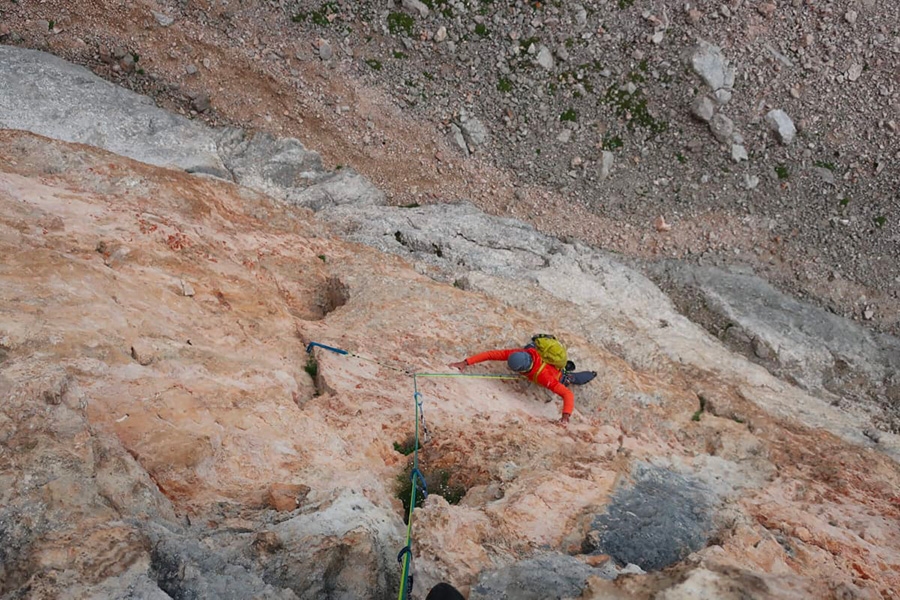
<point>520,362</point>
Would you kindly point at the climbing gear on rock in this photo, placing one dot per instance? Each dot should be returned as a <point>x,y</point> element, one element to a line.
<point>551,350</point>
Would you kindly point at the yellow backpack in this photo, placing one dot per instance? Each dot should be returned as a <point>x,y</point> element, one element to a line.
<point>551,350</point>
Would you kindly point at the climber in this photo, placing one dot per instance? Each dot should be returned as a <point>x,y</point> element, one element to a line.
<point>529,363</point>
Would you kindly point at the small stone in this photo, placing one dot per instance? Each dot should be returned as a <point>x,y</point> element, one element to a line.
<point>694,16</point>
<point>767,9</point>
<point>850,16</point>
<point>795,91</point>
<point>564,136</point>
<point>4,30</point>
<point>630,87</point>
<point>726,12</point>
<point>606,164</point>
<point>760,348</point>
<point>738,153</point>
<point>417,6</point>
<point>660,225</point>
<point>722,96</point>
<point>854,71</point>
<point>751,181</point>
<point>824,174</point>
<point>200,102</point>
<point>545,58</point>
<point>807,40</point>
<point>191,69</point>
<point>722,127</point>
<point>703,108</point>
<point>163,19</point>
<point>441,34</point>
<point>657,37</point>
<point>142,353</point>
<point>781,125</point>
<point>325,51</point>
<point>186,289</point>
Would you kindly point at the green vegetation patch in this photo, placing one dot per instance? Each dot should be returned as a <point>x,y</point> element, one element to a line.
<point>312,367</point>
<point>398,22</point>
<point>696,415</point>
<point>782,171</point>
<point>612,143</point>
<point>482,30</point>
<point>504,85</point>
<point>569,115</point>
<point>438,482</point>
<point>407,446</point>
<point>635,106</point>
<point>374,63</point>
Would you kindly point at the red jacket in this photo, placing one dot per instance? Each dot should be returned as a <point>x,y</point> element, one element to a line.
<point>541,373</point>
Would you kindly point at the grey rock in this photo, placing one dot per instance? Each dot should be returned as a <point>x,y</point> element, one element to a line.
<point>163,19</point>
<point>824,174</point>
<point>818,350</point>
<point>187,290</point>
<point>722,96</point>
<point>441,34</point>
<point>545,58</point>
<point>285,169</point>
<point>191,69</point>
<point>607,161</point>
<point>854,72</point>
<point>781,58</point>
<point>781,125</point>
<point>751,181</point>
<point>710,64</point>
<point>325,51</point>
<point>456,136</point>
<point>580,14</point>
<point>564,136</point>
<point>201,102</point>
<point>738,153</point>
<point>48,96</point>
<point>722,128</point>
<point>655,521</point>
<point>473,130</point>
<point>545,577</point>
<point>703,108</point>
<point>415,5</point>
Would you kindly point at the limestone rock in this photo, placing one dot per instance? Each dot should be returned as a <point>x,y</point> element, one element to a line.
<point>710,64</point>
<point>607,160</point>
<point>781,125</point>
<point>287,496</point>
<point>722,128</point>
<point>545,58</point>
<point>703,108</point>
<point>417,6</point>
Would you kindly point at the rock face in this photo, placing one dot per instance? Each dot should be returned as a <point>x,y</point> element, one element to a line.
<point>821,352</point>
<point>153,441</point>
<point>48,96</point>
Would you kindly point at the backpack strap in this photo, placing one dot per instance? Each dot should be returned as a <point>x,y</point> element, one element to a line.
<point>538,372</point>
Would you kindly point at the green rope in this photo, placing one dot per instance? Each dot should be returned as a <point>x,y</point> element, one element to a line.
<point>406,554</point>
<point>405,557</point>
